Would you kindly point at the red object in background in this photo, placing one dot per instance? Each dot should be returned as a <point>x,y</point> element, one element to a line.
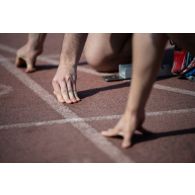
<point>178,62</point>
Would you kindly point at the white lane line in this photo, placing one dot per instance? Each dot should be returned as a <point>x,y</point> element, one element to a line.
<point>79,68</point>
<point>3,60</point>
<point>56,62</point>
<point>180,111</point>
<point>93,72</point>
<point>7,48</point>
<point>89,119</point>
<point>85,129</point>
<point>52,56</point>
<point>174,90</point>
<point>35,124</point>
<point>5,89</point>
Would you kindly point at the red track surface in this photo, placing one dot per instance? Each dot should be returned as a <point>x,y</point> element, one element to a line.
<point>174,132</point>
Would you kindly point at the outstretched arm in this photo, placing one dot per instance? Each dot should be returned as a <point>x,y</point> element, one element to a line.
<point>64,81</point>
<point>147,55</point>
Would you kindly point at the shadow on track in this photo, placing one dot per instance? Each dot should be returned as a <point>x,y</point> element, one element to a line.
<point>91,92</point>
<point>148,136</point>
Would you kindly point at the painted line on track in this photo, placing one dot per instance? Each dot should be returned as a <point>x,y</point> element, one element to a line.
<point>55,62</point>
<point>5,89</point>
<point>174,90</point>
<point>93,72</point>
<point>88,119</point>
<point>85,129</point>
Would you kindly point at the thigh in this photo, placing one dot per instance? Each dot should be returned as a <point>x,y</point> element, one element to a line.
<point>103,50</point>
<point>106,44</point>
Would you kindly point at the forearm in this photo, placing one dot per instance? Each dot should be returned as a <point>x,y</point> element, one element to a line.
<point>64,81</point>
<point>147,55</point>
<point>72,48</point>
<point>36,40</point>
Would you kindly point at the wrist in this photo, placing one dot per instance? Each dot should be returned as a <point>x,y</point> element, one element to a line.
<point>37,48</point>
<point>136,116</point>
<point>65,62</point>
<point>134,111</point>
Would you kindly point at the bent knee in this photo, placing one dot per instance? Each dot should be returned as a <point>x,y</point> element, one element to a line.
<point>102,63</point>
<point>94,60</point>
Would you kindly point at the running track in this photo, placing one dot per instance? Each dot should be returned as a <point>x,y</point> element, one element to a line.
<point>34,127</point>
